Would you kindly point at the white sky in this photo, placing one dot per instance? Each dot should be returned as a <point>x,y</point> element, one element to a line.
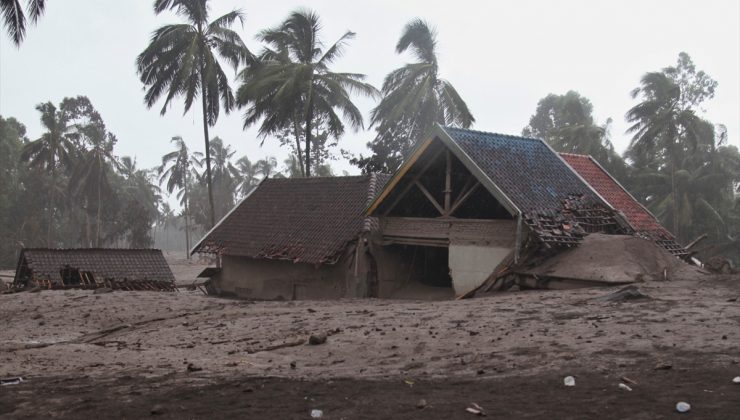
<point>502,56</point>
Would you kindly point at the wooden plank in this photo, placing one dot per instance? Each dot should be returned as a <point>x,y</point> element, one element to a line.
<point>414,179</point>
<point>429,196</point>
<point>448,185</point>
<point>464,197</point>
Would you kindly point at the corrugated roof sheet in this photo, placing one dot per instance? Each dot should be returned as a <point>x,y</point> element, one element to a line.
<point>637,215</point>
<point>526,170</point>
<point>307,220</point>
<point>104,263</point>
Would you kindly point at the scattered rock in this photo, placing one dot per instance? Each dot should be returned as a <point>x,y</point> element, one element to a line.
<point>316,414</point>
<point>292,365</point>
<point>193,368</point>
<point>476,409</point>
<point>157,410</point>
<point>413,365</point>
<point>37,316</point>
<point>624,387</point>
<point>736,380</point>
<point>569,381</point>
<point>102,290</point>
<point>663,366</point>
<point>422,403</point>
<point>311,310</point>
<point>683,407</point>
<point>316,339</point>
<point>624,294</point>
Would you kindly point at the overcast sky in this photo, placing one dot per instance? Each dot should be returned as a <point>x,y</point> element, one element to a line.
<point>502,56</point>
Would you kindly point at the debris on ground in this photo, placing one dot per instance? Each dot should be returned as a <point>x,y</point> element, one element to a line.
<point>628,380</point>
<point>719,264</point>
<point>422,403</point>
<point>101,290</point>
<point>569,381</point>
<point>11,381</point>
<point>736,380</point>
<point>624,294</point>
<point>316,339</point>
<point>316,414</point>
<point>662,366</point>
<point>624,387</point>
<point>157,410</point>
<point>193,368</point>
<point>476,409</point>
<point>683,407</point>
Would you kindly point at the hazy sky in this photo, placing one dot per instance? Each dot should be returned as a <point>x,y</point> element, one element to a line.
<point>502,56</point>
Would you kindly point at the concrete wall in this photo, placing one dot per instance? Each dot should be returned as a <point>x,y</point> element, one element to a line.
<point>472,264</point>
<point>276,279</point>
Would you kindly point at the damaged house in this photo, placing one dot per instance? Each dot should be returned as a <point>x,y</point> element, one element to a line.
<point>464,208</point>
<point>89,268</point>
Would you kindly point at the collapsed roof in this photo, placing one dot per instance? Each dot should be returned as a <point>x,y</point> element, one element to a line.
<point>144,269</point>
<point>639,217</point>
<point>308,220</point>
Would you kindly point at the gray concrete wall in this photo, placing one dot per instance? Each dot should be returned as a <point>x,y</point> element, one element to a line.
<point>277,279</point>
<point>472,264</point>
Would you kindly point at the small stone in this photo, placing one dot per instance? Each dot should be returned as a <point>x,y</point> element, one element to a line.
<point>157,410</point>
<point>736,380</point>
<point>663,366</point>
<point>311,310</point>
<point>292,365</point>
<point>193,368</point>
<point>37,316</point>
<point>683,407</point>
<point>316,339</point>
<point>422,403</point>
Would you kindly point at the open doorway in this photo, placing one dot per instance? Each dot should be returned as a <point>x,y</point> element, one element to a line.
<point>424,272</point>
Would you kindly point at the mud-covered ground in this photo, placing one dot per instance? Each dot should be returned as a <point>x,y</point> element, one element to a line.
<point>185,355</point>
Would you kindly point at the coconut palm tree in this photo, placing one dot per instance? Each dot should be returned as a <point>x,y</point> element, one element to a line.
<point>415,96</point>
<point>182,60</point>
<point>664,133</point>
<point>266,167</point>
<point>292,86</point>
<point>224,175</point>
<point>51,152</point>
<point>247,173</point>
<point>89,179</point>
<point>177,172</point>
<point>15,19</point>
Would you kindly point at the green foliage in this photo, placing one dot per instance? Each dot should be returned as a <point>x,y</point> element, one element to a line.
<point>683,169</point>
<point>14,18</point>
<point>182,60</point>
<point>291,87</point>
<point>415,98</point>
<point>567,124</point>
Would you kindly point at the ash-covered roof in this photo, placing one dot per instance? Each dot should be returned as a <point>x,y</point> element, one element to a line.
<point>103,263</point>
<point>637,215</point>
<point>307,220</point>
<point>527,171</point>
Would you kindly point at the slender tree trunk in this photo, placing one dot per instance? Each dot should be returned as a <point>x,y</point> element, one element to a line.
<point>187,230</point>
<point>208,144</point>
<point>309,115</point>
<point>296,132</point>
<point>100,205</point>
<point>675,201</point>
<point>51,204</point>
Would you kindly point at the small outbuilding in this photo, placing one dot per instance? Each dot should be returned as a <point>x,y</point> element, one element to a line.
<point>125,269</point>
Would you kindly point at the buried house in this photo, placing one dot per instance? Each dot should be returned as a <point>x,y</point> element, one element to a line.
<point>465,207</point>
<point>125,269</point>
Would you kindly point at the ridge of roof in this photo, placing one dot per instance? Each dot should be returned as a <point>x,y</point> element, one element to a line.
<point>93,249</point>
<point>491,133</point>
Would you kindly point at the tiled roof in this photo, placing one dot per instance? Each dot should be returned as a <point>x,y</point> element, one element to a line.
<point>526,170</point>
<point>637,215</point>
<point>307,220</point>
<point>110,264</point>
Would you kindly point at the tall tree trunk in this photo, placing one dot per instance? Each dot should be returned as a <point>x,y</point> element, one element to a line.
<point>309,115</point>
<point>100,205</point>
<point>51,204</point>
<point>296,132</point>
<point>208,145</point>
<point>187,230</point>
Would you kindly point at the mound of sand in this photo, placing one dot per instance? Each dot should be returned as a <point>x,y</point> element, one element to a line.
<point>614,259</point>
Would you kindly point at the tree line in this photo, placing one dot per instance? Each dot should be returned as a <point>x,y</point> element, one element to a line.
<point>678,164</point>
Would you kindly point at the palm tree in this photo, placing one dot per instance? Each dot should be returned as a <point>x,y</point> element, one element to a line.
<point>224,174</point>
<point>414,96</point>
<point>247,173</point>
<point>177,171</point>
<point>52,151</point>
<point>89,179</point>
<point>266,167</point>
<point>291,85</point>
<point>664,133</point>
<point>182,60</point>
<point>15,19</point>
